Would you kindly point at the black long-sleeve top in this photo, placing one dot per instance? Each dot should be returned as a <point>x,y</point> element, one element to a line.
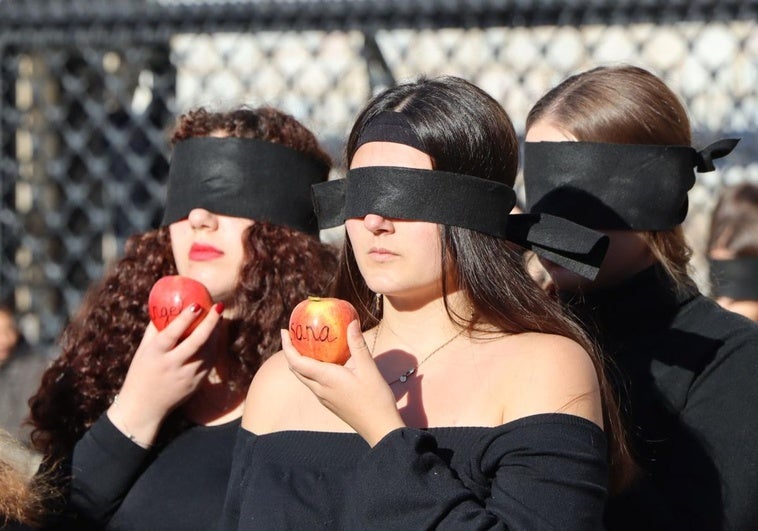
<point>544,471</point>
<point>687,374</point>
<point>118,485</point>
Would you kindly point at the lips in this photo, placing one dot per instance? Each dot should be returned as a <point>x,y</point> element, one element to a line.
<point>200,252</point>
<point>380,254</point>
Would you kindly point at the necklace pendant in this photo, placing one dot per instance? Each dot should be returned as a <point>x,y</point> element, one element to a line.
<point>404,377</point>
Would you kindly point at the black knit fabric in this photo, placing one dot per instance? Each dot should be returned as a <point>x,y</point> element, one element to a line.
<point>117,485</point>
<point>687,371</point>
<point>539,472</point>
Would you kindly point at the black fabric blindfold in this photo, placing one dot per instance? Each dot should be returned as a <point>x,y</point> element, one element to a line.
<point>390,126</point>
<point>736,278</point>
<point>615,186</point>
<point>243,177</point>
<point>414,194</point>
<point>461,201</point>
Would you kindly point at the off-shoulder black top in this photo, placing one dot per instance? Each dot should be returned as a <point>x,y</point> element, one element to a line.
<point>546,471</point>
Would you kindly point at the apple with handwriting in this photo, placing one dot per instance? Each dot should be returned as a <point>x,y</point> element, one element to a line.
<point>318,328</point>
<point>171,294</point>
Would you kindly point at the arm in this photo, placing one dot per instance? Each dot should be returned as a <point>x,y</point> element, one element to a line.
<point>105,466</point>
<point>539,472</point>
<point>538,477</point>
<point>163,373</point>
<point>722,411</point>
<point>115,450</point>
<point>357,394</point>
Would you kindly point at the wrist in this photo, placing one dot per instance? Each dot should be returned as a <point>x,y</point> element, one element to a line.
<point>134,426</point>
<point>378,433</point>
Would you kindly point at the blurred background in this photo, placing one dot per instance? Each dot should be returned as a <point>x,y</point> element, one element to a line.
<point>88,89</point>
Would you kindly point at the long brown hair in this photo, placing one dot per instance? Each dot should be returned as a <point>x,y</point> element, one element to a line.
<point>281,266</point>
<point>624,105</point>
<point>464,130</point>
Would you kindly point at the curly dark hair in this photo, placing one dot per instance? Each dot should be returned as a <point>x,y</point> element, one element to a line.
<point>281,266</point>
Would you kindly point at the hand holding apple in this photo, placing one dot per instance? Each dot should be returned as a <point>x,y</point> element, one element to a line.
<point>171,294</point>
<point>359,394</point>
<point>318,328</point>
<point>165,371</point>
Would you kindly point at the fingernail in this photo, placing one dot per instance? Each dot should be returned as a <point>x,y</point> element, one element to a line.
<point>219,307</point>
<point>195,307</point>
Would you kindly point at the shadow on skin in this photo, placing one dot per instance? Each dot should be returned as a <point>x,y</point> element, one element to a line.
<point>392,364</point>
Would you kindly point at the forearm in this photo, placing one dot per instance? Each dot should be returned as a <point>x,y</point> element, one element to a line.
<point>105,465</point>
<point>404,483</point>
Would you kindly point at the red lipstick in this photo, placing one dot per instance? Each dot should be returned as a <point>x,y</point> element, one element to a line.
<point>201,252</point>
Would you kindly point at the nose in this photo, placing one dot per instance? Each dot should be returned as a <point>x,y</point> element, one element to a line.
<point>377,224</point>
<point>201,218</point>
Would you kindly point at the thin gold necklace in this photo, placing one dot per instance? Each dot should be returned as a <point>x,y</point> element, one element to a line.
<point>410,372</point>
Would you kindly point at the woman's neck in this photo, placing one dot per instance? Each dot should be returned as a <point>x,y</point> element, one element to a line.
<point>202,412</point>
<point>416,326</point>
<point>213,402</point>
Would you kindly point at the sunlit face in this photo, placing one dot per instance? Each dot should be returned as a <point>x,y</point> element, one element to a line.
<point>8,336</point>
<point>208,247</point>
<point>628,252</point>
<point>396,257</point>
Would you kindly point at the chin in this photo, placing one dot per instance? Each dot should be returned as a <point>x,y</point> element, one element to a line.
<point>565,280</point>
<point>212,278</point>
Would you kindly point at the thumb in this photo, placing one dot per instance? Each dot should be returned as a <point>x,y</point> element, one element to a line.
<point>356,342</point>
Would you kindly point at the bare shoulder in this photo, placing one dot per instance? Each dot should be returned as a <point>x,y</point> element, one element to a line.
<point>550,374</point>
<point>268,393</point>
<point>551,349</point>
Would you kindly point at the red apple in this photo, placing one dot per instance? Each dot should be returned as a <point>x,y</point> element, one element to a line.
<point>171,294</point>
<point>318,328</point>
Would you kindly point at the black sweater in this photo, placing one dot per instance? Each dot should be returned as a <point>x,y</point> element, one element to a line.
<point>539,472</point>
<point>687,373</point>
<point>117,485</point>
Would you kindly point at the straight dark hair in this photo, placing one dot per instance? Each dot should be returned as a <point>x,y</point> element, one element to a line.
<point>464,130</point>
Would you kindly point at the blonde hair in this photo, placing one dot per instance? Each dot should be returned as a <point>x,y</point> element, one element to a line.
<point>23,492</point>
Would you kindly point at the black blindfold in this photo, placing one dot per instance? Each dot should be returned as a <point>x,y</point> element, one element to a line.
<point>736,278</point>
<point>243,177</point>
<point>450,199</point>
<point>615,186</point>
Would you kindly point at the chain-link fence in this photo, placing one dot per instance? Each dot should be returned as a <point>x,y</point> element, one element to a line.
<point>88,89</point>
